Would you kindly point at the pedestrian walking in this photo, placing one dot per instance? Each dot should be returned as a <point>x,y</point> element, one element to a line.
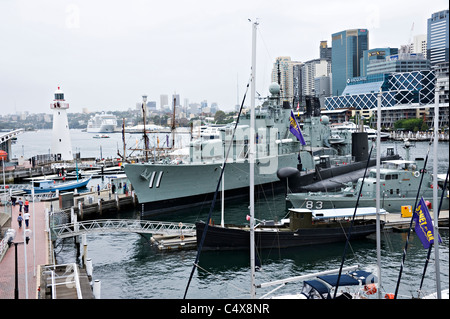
<point>20,204</point>
<point>13,201</point>
<point>98,189</point>
<point>19,220</point>
<point>26,206</point>
<point>26,216</point>
<point>113,188</point>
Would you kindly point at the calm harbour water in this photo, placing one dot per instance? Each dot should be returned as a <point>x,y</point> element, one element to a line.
<point>129,268</point>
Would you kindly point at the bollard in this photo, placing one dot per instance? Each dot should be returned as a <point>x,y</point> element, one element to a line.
<point>77,245</point>
<point>84,238</point>
<point>80,209</point>
<point>96,289</point>
<point>89,267</point>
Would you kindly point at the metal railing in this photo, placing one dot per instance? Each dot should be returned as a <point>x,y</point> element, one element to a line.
<point>122,225</point>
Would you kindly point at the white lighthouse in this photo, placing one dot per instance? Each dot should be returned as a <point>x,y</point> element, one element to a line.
<point>61,144</point>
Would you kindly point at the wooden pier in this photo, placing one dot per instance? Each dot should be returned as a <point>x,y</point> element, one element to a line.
<point>64,281</point>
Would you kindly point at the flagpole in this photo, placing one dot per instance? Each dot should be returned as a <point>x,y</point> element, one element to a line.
<point>435,194</point>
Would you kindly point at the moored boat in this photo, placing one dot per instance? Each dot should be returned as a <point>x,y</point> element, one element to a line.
<point>354,284</point>
<point>303,227</point>
<point>399,182</point>
<point>46,186</point>
<point>163,187</point>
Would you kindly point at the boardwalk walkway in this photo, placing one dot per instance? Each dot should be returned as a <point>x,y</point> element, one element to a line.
<point>36,252</point>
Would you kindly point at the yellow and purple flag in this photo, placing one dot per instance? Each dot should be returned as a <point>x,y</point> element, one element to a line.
<point>424,225</point>
<point>295,129</point>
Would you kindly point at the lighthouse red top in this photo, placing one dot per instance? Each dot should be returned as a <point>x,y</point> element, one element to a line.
<point>59,102</point>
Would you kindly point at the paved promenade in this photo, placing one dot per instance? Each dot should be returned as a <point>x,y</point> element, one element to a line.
<point>36,250</point>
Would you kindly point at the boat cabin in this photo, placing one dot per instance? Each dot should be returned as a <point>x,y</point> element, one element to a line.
<point>397,178</point>
<point>43,184</point>
<point>307,218</point>
<point>323,287</point>
<point>300,218</point>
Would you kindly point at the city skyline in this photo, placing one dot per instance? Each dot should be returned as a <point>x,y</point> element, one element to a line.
<point>106,55</point>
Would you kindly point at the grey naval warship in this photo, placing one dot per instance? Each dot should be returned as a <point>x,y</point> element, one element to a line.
<point>167,187</point>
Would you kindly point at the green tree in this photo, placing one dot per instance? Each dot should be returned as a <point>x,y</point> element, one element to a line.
<point>410,124</point>
<point>219,117</point>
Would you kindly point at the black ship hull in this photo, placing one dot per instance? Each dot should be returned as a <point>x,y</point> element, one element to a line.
<point>238,238</point>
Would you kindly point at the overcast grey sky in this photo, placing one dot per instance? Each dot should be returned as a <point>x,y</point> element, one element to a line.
<point>106,54</point>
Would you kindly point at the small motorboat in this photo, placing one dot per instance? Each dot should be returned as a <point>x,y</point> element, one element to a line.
<point>48,185</point>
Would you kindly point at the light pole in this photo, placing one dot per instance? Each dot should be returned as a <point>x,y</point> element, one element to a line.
<point>3,156</point>
<point>11,234</point>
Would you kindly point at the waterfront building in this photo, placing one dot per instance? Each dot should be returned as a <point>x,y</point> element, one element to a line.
<point>390,115</point>
<point>348,47</point>
<point>437,37</point>
<point>396,88</point>
<point>375,55</point>
<point>401,62</point>
<point>403,95</point>
<point>61,143</point>
<point>442,81</point>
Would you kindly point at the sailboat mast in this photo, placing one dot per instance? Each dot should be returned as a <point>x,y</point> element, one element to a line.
<point>378,188</point>
<point>144,116</point>
<point>173,121</point>
<point>123,140</point>
<point>435,194</point>
<point>252,164</point>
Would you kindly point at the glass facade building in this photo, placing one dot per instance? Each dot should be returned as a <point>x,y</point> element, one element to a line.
<point>348,47</point>
<point>374,55</point>
<point>402,62</point>
<point>415,87</point>
<point>437,37</point>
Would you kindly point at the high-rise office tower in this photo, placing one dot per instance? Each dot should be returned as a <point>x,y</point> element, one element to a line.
<point>419,44</point>
<point>325,51</point>
<point>283,74</point>
<point>164,100</point>
<point>437,37</point>
<point>348,47</point>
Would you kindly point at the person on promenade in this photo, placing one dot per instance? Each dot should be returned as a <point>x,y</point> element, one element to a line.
<point>20,204</point>
<point>26,216</point>
<point>26,206</point>
<point>19,220</point>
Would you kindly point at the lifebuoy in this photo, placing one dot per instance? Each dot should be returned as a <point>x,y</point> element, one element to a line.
<point>416,174</point>
<point>370,289</point>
